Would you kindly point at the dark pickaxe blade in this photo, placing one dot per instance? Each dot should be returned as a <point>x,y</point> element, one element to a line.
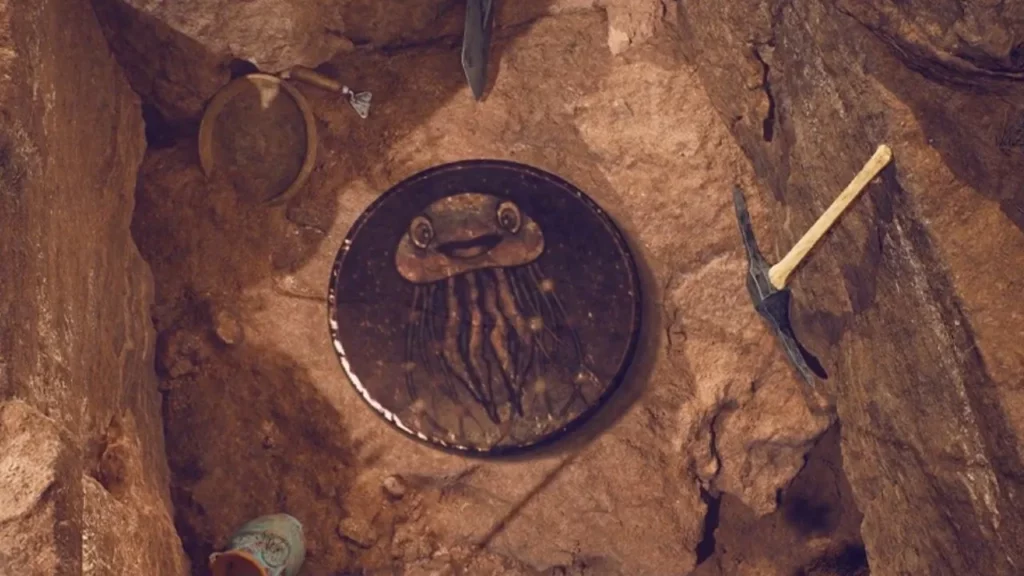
<point>775,310</point>
<point>758,283</point>
<point>770,302</point>
<point>476,41</point>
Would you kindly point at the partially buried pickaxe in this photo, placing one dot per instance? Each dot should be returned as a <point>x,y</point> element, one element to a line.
<point>360,101</point>
<point>767,285</point>
<point>476,44</point>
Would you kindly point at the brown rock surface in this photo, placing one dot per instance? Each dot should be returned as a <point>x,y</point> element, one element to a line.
<point>40,473</point>
<point>271,424</point>
<point>177,54</point>
<point>814,532</point>
<point>910,303</point>
<point>913,302</point>
<point>76,379</point>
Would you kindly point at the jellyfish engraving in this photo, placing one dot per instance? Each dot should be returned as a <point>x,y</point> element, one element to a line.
<point>486,327</point>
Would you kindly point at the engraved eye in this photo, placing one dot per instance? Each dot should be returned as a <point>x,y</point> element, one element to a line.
<point>509,217</point>
<point>421,231</point>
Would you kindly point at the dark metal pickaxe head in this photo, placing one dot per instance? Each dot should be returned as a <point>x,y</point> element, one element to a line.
<point>476,41</point>
<point>770,302</point>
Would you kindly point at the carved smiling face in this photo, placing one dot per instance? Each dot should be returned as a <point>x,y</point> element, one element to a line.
<point>467,232</point>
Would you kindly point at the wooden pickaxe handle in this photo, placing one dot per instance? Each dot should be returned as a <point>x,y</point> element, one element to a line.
<point>779,273</point>
<point>314,78</point>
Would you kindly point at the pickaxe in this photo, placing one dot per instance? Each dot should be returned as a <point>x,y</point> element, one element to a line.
<point>767,285</point>
<point>476,44</point>
<point>360,101</point>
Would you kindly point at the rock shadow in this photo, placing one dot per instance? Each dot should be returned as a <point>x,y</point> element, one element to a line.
<point>247,431</point>
<point>816,527</point>
<point>245,438</point>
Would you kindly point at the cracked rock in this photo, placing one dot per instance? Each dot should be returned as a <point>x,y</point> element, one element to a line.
<point>181,352</point>
<point>920,281</point>
<point>631,22</point>
<point>228,328</point>
<point>357,531</point>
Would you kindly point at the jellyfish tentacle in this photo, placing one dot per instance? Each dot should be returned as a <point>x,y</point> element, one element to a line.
<point>577,393</point>
<point>467,413</point>
<point>430,327</point>
<point>448,388</point>
<point>410,343</point>
<point>481,359</point>
<point>429,360</point>
<point>426,417</point>
<point>558,311</point>
<point>499,338</point>
<point>524,295</point>
<point>422,336</point>
<point>460,420</point>
<point>475,345</point>
<point>547,403</point>
<point>536,281</point>
<point>508,302</point>
<point>582,371</point>
<point>435,301</point>
<point>451,353</point>
<point>527,298</point>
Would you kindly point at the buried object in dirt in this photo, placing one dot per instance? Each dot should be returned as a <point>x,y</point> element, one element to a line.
<point>484,306</point>
<point>767,285</point>
<point>476,43</point>
<point>260,130</point>
<point>271,545</point>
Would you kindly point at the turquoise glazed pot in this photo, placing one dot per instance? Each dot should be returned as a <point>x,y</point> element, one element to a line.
<point>270,545</point>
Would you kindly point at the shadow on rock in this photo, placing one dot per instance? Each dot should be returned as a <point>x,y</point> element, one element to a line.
<point>248,434</point>
<point>814,532</point>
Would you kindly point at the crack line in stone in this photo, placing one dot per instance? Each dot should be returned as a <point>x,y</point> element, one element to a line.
<point>502,523</point>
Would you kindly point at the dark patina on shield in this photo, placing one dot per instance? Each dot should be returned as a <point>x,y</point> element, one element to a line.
<point>484,306</point>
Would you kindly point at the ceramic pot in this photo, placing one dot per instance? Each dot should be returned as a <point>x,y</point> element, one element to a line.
<point>270,545</point>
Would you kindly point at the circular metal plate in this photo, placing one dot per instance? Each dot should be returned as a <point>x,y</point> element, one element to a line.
<point>261,131</point>
<point>484,306</point>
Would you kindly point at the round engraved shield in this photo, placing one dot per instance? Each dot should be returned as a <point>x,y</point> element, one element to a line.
<point>484,306</point>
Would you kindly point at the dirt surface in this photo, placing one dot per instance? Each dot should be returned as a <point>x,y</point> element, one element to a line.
<point>260,418</point>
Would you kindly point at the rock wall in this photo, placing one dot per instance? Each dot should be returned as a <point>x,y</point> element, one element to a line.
<point>913,302</point>
<point>82,466</point>
<point>177,54</point>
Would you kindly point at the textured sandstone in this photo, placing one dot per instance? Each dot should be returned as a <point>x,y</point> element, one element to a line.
<point>76,344</point>
<point>42,492</point>
<point>913,303</point>
<point>712,404</point>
